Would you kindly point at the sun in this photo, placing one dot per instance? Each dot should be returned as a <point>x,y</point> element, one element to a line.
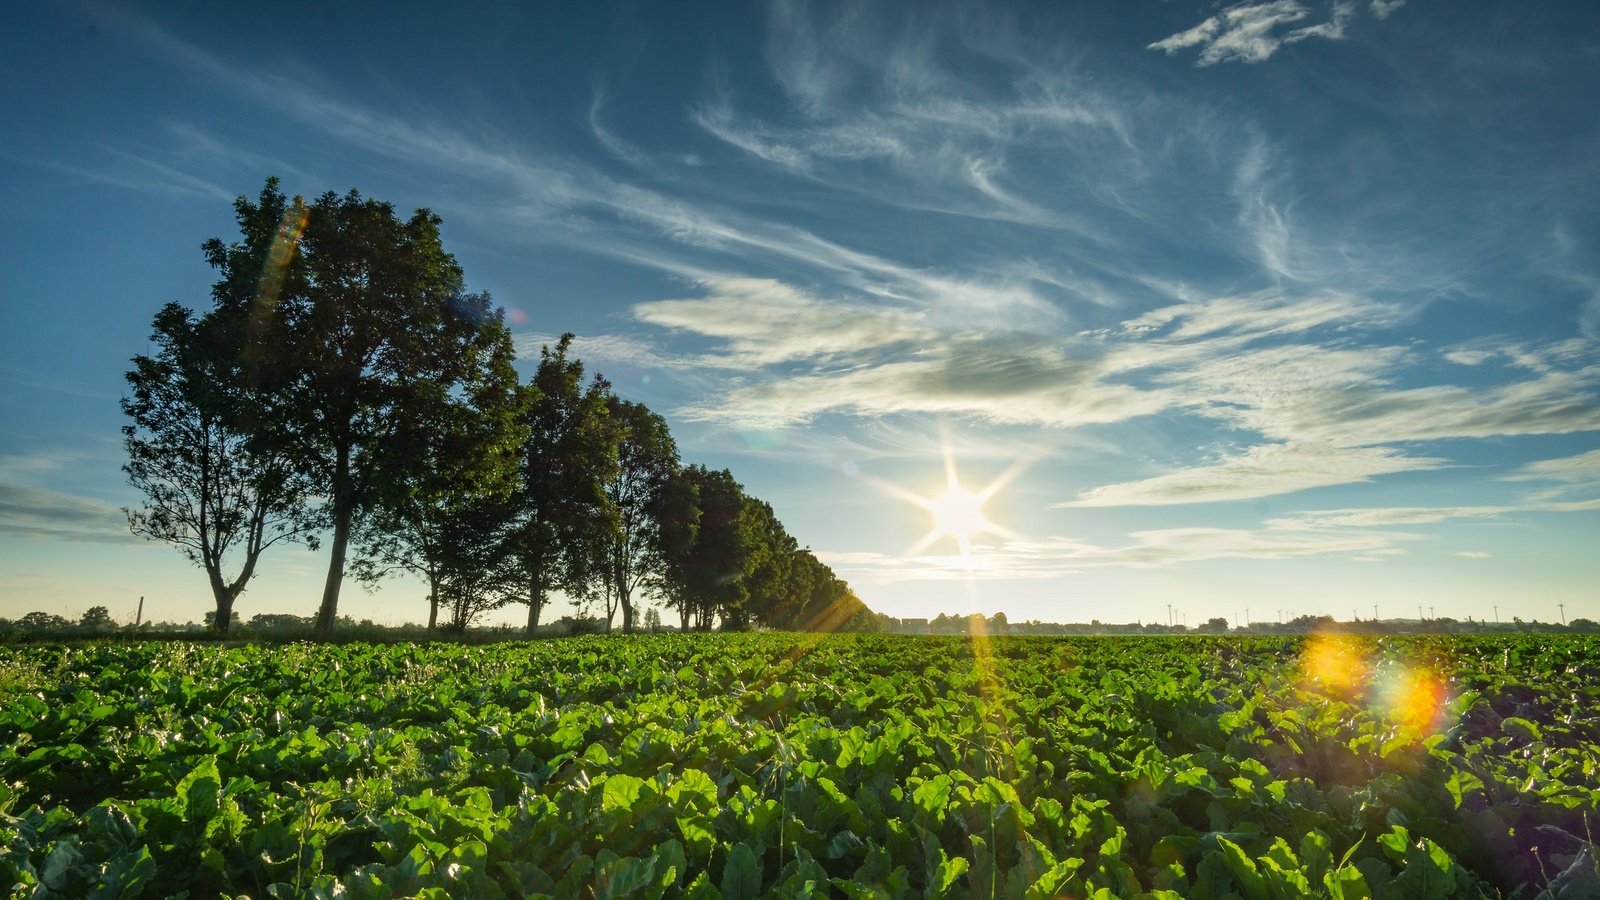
<point>958,513</point>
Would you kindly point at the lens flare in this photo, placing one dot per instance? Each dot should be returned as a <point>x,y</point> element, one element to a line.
<point>1414,697</point>
<point>284,243</point>
<point>1336,663</point>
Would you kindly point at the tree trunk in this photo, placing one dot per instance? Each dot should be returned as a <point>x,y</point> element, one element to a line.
<point>343,511</point>
<point>535,598</point>
<point>433,601</point>
<point>683,616</point>
<point>224,616</point>
<point>626,602</point>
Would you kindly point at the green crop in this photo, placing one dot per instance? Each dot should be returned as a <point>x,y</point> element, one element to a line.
<point>776,764</point>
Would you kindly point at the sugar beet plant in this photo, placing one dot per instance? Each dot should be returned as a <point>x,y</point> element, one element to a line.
<point>787,765</point>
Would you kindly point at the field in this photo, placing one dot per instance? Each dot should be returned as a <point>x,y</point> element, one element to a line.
<point>776,764</point>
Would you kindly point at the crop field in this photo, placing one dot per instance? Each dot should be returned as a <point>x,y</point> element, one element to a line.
<point>775,764</point>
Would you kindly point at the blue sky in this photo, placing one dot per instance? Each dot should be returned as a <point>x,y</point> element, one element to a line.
<point>1278,306</point>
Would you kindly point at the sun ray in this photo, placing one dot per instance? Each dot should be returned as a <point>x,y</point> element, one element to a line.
<point>957,512</point>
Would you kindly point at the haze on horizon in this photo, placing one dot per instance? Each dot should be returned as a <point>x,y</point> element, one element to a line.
<point>1275,305</point>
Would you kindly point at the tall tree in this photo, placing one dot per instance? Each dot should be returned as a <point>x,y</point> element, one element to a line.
<point>772,576</point>
<point>705,578</point>
<point>632,552</point>
<point>359,317</point>
<point>443,515</point>
<point>212,487</point>
<point>560,504</point>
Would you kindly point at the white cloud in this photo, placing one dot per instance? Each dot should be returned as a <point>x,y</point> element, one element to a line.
<point>1584,467</point>
<point>1473,554</point>
<point>1262,471</point>
<point>595,350</point>
<point>1253,32</point>
<point>764,322</point>
<point>1467,357</point>
<point>1346,397</point>
<point>1262,314</point>
<point>1058,556</point>
<point>1005,379</point>
<point>1387,516</point>
<point>45,513</point>
<point>1383,9</point>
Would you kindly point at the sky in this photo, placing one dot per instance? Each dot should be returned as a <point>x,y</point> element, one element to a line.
<point>1255,310</point>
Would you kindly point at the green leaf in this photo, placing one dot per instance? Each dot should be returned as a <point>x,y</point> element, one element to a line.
<point>1522,728</point>
<point>741,874</point>
<point>946,873</point>
<point>63,858</point>
<point>932,796</point>
<point>1053,882</point>
<point>626,877</point>
<point>620,792</point>
<point>1243,869</point>
<point>694,790</point>
<point>1346,883</point>
<point>1460,783</point>
<point>698,837</point>
<point>199,790</point>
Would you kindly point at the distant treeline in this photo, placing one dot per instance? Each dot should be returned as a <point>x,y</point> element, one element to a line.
<point>345,387</point>
<point>977,623</point>
<point>98,624</point>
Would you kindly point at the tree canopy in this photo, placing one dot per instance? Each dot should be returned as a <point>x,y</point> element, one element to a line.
<point>345,385</point>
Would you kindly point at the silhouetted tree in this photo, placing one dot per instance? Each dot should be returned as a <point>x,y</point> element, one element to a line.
<point>42,621</point>
<point>775,579</point>
<point>358,318</point>
<point>97,618</point>
<point>707,578</point>
<point>444,515</point>
<point>632,551</point>
<point>559,507</point>
<point>213,486</point>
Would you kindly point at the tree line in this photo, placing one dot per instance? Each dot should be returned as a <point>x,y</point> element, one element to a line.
<point>345,387</point>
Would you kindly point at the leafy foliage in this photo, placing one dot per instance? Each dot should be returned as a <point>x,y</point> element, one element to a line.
<point>212,486</point>
<point>789,765</point>
<point>359,329</point>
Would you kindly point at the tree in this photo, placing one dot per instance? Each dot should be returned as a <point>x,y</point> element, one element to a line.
<point>1217,625</point>
<point>707,577</point>
<point>631,552</point>
<point>777,578</point>
<point>37,621</point>
<point>444,516</point>
<point>568,458</point>
<point>97,618</point>
<point>358,318</point>
<point>213,487</point>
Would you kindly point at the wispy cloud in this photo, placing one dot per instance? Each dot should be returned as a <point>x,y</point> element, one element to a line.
<point>134,172</point>
<point>35,512</point>
<point>1261,471</point>
<point>1056,557</point>
<point>1387,516</point>
<point>765,322</point>
<point>1004,379</point>
<point>1584,467</point>
<point>599,350</point>
<point>1253,32</point>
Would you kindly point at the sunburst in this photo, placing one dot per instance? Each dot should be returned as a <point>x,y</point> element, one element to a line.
<point>958,513</point>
